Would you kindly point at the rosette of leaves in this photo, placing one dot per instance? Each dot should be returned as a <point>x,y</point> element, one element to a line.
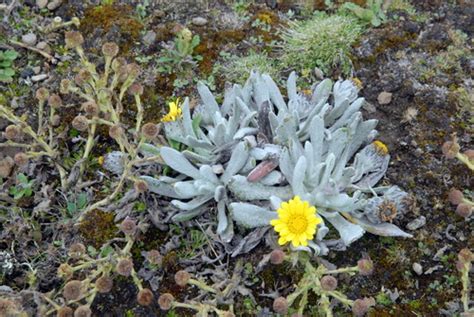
<point>6,65</point>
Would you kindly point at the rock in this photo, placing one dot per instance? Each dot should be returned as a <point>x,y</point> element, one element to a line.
<point>41,3</point>
<point>53,5</point>
<point>27,72</point>
<point>370,108</point>
<point>37,69</point>
<point>384,98</point>
<point>29,39</point>
<point>38,78</point>
<point>417,223</point>
<point>199,21</point>
<point>417,268</point>
<point>149,38</point>
<point>44,47</point>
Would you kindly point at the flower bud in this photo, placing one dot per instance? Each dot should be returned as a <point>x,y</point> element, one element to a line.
<point>116,132</point>
<point>455,196</point>
<point>124,267</point>
<point>154,257</point>
<point>56,120</point>
<point>135,89</point>
<point>83,311</point>
<point>277,257</point>
<point>73,39</point>
<point>362,306</point>
<point>6,166</point>
<point>91,108</point>
<point>464,210</point>
<point>118,63</point>
<point>76,250</point>
<point>80,123</point>
<point>366,266</point>
<point>465,255</point>
<point>54,101</point>
<point>150,130</point>
<point>65,312</point>
<point>145,297</point>
<point>20,159</point>
<point>13,132</point>
<point>65,271</point>
<point>72,290</point>
<point>128,226</point>
<point>140,186</point>
<point>328,283</point>
<point>110,49</point>
<point>181,278</point>
<point>104,284</point>
<point>133,70</point>
<point>450,149</point>
<point>166,301</point>
<point>280,305</point>
<point>42,94</point>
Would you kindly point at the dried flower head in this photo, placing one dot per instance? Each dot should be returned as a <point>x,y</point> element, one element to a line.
<point>13,132</point>
<point>140,186</point>
<point>328,283</point>
<point>465,255</point>
<point>118,64</point>
<point>110,49</point>
<point>82,77</point>
<point>135,89</point>
<point>128,226</point>
<point>72,290</point>
<point>181,278</point>
<point>80,123</point>
<point>362,306</point>
<point>228,314</point>
<point>20,159</point>
<point>104,284</point>
<point>154,257</point>
<point>296,222</point>
<point>55,101</point>
<point>42,94</point>
<point>450,148</point>
<point>455,196</point>
<point>7,307</point>
<point>64,86</point>
<point>145,297</point>
<point>73,39</point>
<point>469,154</point>
<point>280,305</point>
<point>387,211</point>
<point>133,70</point>
<point>165,301</point>
<point>464,210</point>
<point>277,257</point>
<point>124,267</point>
<point>116,132</point>
<point>65,271</point>
<point>150,130</point>
<point>76,250</point>
<point>65,311</point>
<point>366,266</point>
<point>83,311</point>
<point>91,108</point>
<point>6,166</point>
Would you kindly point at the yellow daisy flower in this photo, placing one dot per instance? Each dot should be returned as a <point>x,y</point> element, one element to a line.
<point>296,222</point>
<point>174,112</point>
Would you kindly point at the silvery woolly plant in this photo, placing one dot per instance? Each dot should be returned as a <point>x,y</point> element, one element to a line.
<point>257,150</point>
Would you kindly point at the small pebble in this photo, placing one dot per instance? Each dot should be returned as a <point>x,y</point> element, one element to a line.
<point>27,72</point>
<point>29,39</point>
<point>37,69</point>
<point>41,3</point>
<point>417,223</point>
<point>149,38</point>
<point>53,5</point>
<point>417,268</point>
<point>384,98</point>
<point>218,169</point>
<point>199,21</point>
<point>37,78</point>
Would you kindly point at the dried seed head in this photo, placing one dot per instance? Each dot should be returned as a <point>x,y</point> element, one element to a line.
<point>181,278</point>
<point>64,86</point>
<point>387,211</point>
<point>20,159</point>
<point>450,149</point>
<point>469,154</point>
<point>140,186</point>
<point>133,70</point>
<point>55,101</point>
<point>73,39</point>
<point>56,120</point>
<point>455,196</point>
<point>362,306</point>
<point>83,76</point>
<point>366,266</point>
<point>76,250</point>
<point>277,257</point>
<point>7,307</point>
<point>124,267</point>
<point>6,166</point>
<point>42,94</point>
<point>110,49</point>
<point>65,312</point>
<point>118,63</point>
<point>135,89</point>
<point>166,301</point>
<point>83,311</point>
<point>145,297</point>
<point>72,290</point>
<point>116,132</point>
<point>154,257</point>
<point>65,271</point>
<point>80,123</point>
<point>328,283</point>
<point>104,284</point>
<point>465,255</point>
<point>280,305</point>
<point>91,108</point>
<point>464,210</point>
<point>128,226</point>
<point>13,132</point>
<point>150,130</point>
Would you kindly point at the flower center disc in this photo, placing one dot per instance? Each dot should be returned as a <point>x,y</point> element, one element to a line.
<point>298,224</point>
